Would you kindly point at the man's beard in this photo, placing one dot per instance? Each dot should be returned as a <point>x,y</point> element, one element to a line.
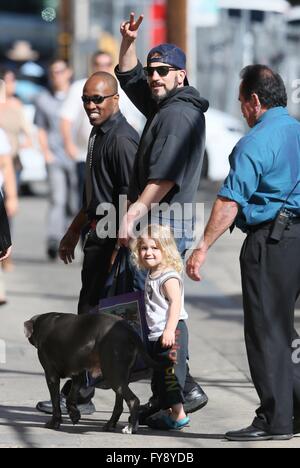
<point>159,99</point>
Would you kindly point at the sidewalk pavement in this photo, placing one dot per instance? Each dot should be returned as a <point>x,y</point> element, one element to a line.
<point>218,360</point>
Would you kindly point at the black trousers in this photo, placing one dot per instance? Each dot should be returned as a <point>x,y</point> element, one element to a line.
<point>271,286</point>
<point>94,274</point>
<point>170,382</point>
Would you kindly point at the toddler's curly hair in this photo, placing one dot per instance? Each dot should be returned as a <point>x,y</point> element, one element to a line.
<point>165,241</point>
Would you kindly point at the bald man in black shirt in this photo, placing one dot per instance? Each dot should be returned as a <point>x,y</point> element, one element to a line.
<point>111,153</point>
<point>112,149</point>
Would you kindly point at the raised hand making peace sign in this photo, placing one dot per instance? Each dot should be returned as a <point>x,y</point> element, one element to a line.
<point>129,29</point>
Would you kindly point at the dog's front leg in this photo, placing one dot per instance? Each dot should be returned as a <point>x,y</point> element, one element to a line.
<point>72,400</point>
<point>133,404</point>
<point>53,382</point>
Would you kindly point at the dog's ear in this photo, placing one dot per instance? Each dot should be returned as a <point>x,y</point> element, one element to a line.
<point>28,329</point>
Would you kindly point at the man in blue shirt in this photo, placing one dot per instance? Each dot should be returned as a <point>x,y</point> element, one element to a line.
<point>263,180</point>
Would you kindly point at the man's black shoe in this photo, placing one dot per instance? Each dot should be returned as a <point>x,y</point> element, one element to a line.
<point>87,408</point>
<point>195,400</point>
<point>253,434</point>
<point>52,249</point>
<point>147,410</point>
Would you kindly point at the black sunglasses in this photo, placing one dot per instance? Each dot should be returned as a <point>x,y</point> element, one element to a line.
<point>95,99</point>
<point>162,70</point>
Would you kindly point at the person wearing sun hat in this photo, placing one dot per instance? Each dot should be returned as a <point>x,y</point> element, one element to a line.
<point>170,155</point>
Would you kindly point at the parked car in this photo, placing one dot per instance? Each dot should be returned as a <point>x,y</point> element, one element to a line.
<point>222,134</point>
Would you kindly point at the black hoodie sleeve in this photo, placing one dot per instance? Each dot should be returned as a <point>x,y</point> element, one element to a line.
<point>5,239</point>
<point>134,84</point>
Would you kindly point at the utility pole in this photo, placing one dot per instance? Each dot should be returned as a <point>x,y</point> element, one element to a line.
<point>65,37</point>
<point>177,23</point>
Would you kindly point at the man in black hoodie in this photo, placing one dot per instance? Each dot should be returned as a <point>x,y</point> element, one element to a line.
<point>170,155</point>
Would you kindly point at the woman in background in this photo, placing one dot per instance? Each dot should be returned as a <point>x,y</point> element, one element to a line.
<point>13,121</point>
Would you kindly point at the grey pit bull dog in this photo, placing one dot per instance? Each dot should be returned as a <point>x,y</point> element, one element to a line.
<point>69,344</point>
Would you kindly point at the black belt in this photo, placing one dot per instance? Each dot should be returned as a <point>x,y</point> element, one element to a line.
<point>269,224</point>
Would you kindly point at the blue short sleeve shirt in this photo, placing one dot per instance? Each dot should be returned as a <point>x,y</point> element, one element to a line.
<point>265,166</point>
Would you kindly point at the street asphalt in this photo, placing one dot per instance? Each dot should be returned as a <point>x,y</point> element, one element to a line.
<point>218,358</point>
